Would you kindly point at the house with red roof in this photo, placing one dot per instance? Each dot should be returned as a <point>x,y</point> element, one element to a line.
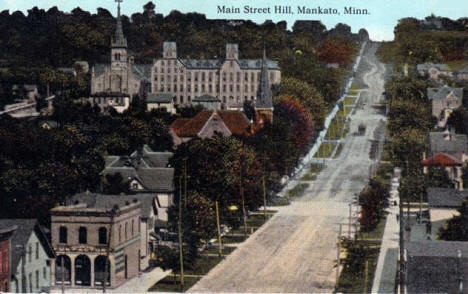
<point>450,164</point>
<point>208,123</point>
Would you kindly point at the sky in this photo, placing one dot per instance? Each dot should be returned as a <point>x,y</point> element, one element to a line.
<point>382,18</point>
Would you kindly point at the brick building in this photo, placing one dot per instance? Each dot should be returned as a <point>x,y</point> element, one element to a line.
<point>5,256</point>
<point>86,235</point>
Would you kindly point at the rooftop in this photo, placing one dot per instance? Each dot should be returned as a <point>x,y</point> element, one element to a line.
<point>443,92</point>
<point>436,266</point>
<point>445,197</point>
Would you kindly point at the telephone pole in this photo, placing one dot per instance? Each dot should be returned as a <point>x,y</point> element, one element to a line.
<point>179,227</point>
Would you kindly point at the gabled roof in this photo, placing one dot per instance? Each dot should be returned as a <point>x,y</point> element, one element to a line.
<point>150,168</point>
<point>427,66</point>
<point>441,159</point>
<point>435,266</point>
<point>192,126</point>
<point>142,71</point>
<point>235,121</point>
<point>159,98</point>
<point>22,234</point>
<point>443,92</point>
<point>457,144</point>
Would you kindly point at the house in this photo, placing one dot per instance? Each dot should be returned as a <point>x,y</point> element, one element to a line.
<point>462,74</point>
<point>120,102</point>
<point>150,212</point>
<point>147,172</point>
<point>443,204</point>
<point>208,123</point>
<point>27,92</point>
<point>447,142</point>
<point>96,243</point>
<point>31,256</point>
<point>208,102</point>
<point>6,231</point>
<point>162,100</point>
<point>434,71</point>
<point>444,101</point>
<point>48,124</point>
<point>451,165</point>
<point>436,267</point>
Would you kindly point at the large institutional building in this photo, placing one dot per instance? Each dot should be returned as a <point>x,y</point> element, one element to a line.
<point>231,80</point>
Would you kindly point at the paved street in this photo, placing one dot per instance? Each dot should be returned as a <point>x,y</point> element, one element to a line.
<point>296,250</point>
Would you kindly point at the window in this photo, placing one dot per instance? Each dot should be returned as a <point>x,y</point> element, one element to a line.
<point>133,225</point>
<point>63,235</point>
<point>246,88</point>
<point>196,76</point>
<point>120,233</point>
<point>238,77</point>
<point>102,235</point>
<point>203,76</point>
<point>246,77</point>
<point>37,279</point>
<point>30,253</point>
<point>224,76</point>
<point>30,283</point>
<point>126,225</point>
<point>231,64</point>
<point>181,78</point>
<point>182,99</point>
<point>237,88</point>
<point>230,88</point>
<point>252,77</point>
<point>224,88</point>
<point>181,87</point>
<point>210,76</point>
<point>37,250</point>
<point>231,77</point>
<point>82,235</point>
<point>44,272</point>
<point>117,56</point>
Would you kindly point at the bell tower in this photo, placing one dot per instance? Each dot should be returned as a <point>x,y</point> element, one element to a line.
<point>119,52</point>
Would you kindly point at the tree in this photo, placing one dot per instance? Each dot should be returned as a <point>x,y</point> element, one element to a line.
<point>291,111</point>
<point>437,177</point>
<point>309,97</point>
<point>412,188</point>
<point>409,115</point>
<point>457,120</point>
<point>406,148</point>
<point>114,184</point>
<point>456,229</point>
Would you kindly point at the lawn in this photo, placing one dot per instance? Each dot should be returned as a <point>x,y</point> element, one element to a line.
<point>201,267</point>
<point>349,100</point>
<point>297,191</point>
<point>314,170</point>
<point>352,281</point>
<point>338,150</point>
<point>325,150</point>
<point>334,130</point>
<point>214,250</point>
<point>280,202</point>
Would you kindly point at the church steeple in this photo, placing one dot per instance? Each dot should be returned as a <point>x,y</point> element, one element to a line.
<point>119,40</point>
<point>264,95</point>
<point>119,54</point>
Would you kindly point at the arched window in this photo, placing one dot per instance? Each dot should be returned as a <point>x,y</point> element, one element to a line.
<point>102,235</point>
<point>62,262</point>
<point>82,271</point>
<point>63,235</point>
<point>100,269</point>
<point>82,235</point>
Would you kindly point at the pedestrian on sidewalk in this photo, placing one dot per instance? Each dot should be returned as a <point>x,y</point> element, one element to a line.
<point>398,217</point>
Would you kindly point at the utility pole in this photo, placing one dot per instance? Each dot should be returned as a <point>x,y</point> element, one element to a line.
<point>185,182</point>
<point>349,222</point>
<point>264,198</point>
<point>338,253</point>
<point>220,245</point>
<point>402,255</point>
<point>179,226</point>
<point>366,276</point>
<point>241,188</point>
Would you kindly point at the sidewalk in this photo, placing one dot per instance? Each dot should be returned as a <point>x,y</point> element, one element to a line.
<point>386,270</point>
<point>143,282</point>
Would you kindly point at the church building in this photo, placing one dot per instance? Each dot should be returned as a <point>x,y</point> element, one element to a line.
<point>229,80</point>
